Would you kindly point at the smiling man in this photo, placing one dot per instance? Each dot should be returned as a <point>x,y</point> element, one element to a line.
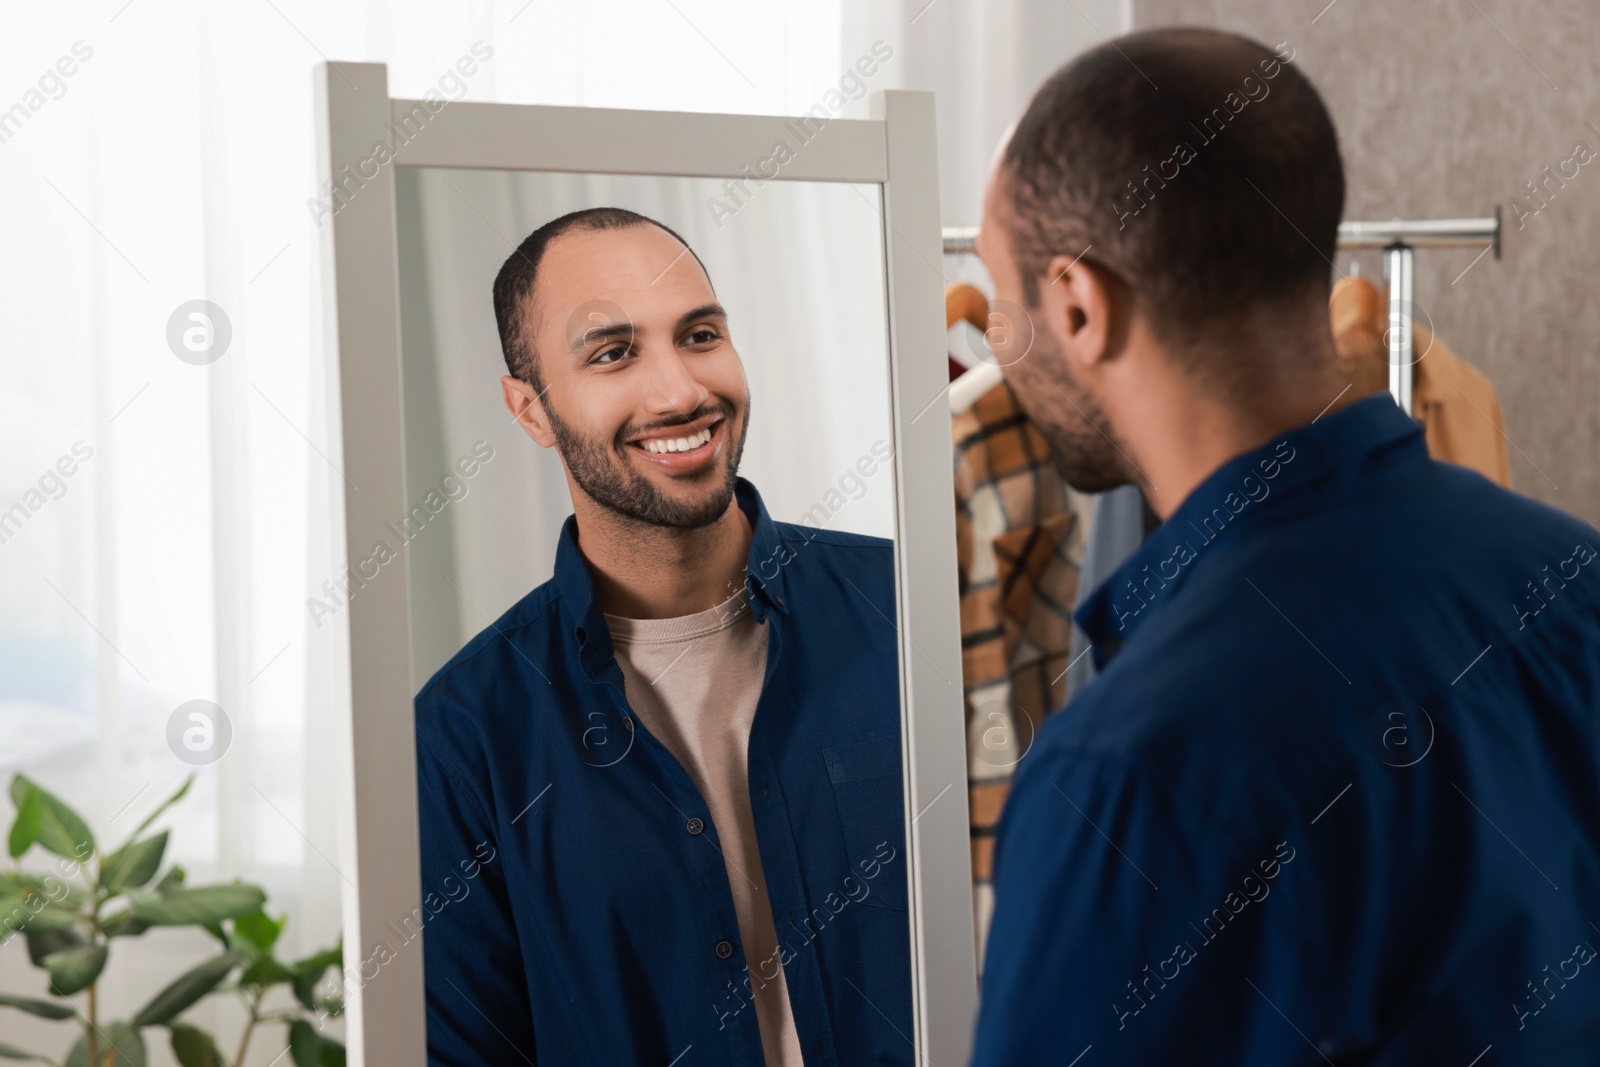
<point>682,753</point>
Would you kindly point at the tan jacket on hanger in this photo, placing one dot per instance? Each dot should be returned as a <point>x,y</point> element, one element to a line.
<point>1454,401</point>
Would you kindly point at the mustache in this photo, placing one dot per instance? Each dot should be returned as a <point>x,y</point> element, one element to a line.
<point>721,408</point>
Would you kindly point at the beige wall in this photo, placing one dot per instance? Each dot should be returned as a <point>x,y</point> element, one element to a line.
<point>1440,115</point>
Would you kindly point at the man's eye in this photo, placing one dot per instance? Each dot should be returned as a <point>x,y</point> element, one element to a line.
<point>610,355</point>
<point>702,336</point>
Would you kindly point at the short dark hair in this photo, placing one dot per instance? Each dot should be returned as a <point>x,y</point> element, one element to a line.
<point>518,275</point>
<point>1246,218</point>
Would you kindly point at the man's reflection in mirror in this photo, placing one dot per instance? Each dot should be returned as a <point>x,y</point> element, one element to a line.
<point>667,782</point>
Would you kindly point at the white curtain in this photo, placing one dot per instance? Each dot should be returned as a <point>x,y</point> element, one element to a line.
<point>174,163</point>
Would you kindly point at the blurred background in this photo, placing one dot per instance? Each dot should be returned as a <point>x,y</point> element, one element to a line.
<point>175,163</point>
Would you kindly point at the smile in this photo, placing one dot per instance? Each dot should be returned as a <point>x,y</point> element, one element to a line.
<point>677,444</point>
<point>689,449</point>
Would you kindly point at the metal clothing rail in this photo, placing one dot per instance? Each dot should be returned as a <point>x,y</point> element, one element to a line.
<point>1399,238</point>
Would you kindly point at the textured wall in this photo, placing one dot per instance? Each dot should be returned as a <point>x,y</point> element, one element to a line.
<point>1445,108</point>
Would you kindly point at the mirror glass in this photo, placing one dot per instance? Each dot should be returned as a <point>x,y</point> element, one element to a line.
<point>652,621</point>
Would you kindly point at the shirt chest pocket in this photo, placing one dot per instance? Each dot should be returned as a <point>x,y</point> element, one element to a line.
<point>869,792</point>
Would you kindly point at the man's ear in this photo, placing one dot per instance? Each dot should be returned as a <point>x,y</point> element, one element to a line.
<point>1084,307</point>
<point>527,407</point>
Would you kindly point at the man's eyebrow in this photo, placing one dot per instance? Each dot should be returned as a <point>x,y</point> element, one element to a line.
<point>712,310</point>
<point>595,334</point>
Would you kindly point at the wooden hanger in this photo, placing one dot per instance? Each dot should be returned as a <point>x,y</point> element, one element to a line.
<point>965,303</point>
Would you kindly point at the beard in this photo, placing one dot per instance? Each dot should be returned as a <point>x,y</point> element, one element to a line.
<point>1082,439</point>
<point>596,466</point>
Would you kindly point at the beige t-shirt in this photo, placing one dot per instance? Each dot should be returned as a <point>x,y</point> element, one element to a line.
<point>694,682</point>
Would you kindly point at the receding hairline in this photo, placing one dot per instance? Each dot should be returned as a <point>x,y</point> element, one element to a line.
<point>527,309</point>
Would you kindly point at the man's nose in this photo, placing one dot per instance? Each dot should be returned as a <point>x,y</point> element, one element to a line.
<point>673,388</point>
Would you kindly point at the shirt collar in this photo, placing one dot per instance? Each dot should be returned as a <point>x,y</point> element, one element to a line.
<point>764,577</point>
<point>1341,448</point>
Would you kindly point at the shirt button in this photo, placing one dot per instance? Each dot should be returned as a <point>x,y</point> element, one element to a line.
<point>724,949</point>
<point>696,825</point>
<point>627,720</point>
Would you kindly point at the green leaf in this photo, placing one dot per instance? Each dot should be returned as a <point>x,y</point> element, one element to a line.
<point>124,923</point>
<point>61,830</point>
<point>209,904</point>
<point>134,864</point>
<point>185,990</point>
<point>266,971</point>
<point>45,1009</point>
<point>305,989</point>
<point>332,1053</point>
<point>142,898</point>
<point>194,1048</point>
<point>127,1041</point>
<point>305,1044</point>
<point>54,889</point>
<point>259,929</point>
<point>171,882</point>
<point>75,969</point>
<point>322,960</point>
<point>309,971</point>
<point>25,827</point>
<point>12,1052</point>
<point>42,943</point>
<point>14,914</point>
<point>17,913</point>
<point>173,799</point>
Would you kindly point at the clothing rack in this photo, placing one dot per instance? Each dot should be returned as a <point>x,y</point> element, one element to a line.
<point>1399,239</point>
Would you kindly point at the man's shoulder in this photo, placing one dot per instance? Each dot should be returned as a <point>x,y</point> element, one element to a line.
<point>809,552</point>
<point>496,645</point>
<point>796,533</point>
<point>1470,490</point>
<point>1268,655</point>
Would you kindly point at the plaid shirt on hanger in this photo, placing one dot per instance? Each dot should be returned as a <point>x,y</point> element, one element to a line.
<point>1019,544</point>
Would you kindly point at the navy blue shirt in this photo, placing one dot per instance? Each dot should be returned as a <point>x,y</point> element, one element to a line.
<point>1334,797</point>
<point>577,901</point>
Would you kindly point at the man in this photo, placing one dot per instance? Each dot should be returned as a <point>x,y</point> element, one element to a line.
<point>1334,797</point>
<point>674,769</point>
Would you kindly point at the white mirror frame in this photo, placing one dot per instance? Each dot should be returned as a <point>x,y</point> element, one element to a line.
<point>378,818</point>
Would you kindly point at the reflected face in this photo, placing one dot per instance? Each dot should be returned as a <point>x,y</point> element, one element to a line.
<point>1046,385</point>
<point>645,394</point>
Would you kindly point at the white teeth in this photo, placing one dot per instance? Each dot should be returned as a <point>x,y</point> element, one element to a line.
<point>677,444</point>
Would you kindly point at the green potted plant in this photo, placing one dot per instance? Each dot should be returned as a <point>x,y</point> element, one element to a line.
<point>71,916</point>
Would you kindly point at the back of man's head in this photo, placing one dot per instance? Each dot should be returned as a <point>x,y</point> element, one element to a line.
<point>1200,167</point>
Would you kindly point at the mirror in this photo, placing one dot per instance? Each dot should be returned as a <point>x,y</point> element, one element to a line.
<point>687,830</point>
